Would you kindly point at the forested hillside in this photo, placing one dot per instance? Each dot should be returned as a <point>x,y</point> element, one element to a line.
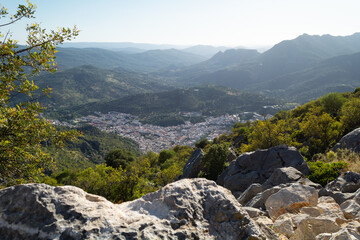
<point>89,150</point>
<point>86,84</point>
<point>207,100</point>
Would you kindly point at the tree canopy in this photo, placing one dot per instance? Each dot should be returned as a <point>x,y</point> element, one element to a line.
<point>22,128</point>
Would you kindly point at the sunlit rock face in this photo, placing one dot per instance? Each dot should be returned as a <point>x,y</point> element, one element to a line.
<point>258,166</point>
<point>186,209</point>
<point>349,141</point>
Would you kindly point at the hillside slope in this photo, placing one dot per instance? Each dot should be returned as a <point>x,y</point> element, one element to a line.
<point>285,59</point>
<point>85,84</point>
<point>208,100</point>
<point>339,74</point>
<point>147,61</point>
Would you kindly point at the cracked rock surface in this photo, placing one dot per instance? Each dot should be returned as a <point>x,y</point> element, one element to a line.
<point>258,166</point>
<point>186,209</point>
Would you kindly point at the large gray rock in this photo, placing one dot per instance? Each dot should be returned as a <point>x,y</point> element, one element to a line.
<point>342,188</point>
<point>193,165</point>
<point>186,209</point>
<point>351,207</point>
<point>250,193</point>
<point>259,200</point>
<point>256,194</point>
<point>291,199</point>
<point>311,227</point>
<point>349,141</point>
<point>349,232</point>
<point>258,166</point>
<point>282,176</point>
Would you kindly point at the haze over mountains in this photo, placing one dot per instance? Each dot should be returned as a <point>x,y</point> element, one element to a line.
<point>295,70</point>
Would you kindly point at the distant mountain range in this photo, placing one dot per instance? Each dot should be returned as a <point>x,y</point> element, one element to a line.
<point>338,74</point>
<point>299,59</point>
<point>148,61</point>
<point>205,51</point>
<point>295,70</point>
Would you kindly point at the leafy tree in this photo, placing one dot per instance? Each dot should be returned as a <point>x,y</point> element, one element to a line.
<point>202,143</point>
<point>322,131</point>
<point>215,159</point>
<point>22,129</point>
<point>350,114</point>
<point>266,134</point>
<point>119,158</point>
<point>165,155</point>
<point>332,103</point>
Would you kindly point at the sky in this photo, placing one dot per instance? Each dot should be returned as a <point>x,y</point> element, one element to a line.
<point>249,23</point>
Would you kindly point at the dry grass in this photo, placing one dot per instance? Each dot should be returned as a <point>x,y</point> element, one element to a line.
<point>344,155</point>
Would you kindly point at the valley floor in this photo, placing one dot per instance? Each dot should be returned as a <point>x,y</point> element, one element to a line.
<point>156,138</point>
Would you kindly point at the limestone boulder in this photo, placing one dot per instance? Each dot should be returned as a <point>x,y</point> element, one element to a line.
<point>250,193</point>
<point>231,156</point>
<point>282,176</point>
<point>311,227</point>
<point>329,208</point>
<point>256,194</point>
<point>351,207</point>
<point>186,209</point>
<point>254,212</point>
<point>349,141</point>
<point>291,199</point>
<point>342,188</point>
<point>193,165</point>
<point>349,231</point>
<point>284,225</point>
<point>259,200</point>
<point>258,166</point>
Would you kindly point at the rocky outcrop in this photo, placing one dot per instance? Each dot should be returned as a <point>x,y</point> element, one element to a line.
<point>342,188</point>
<point>186,209</point>
<point>351,207</point>
<point>193,165</point>
<point>258,166</point>
<point>349,141</point>
<point>291,199</point>
<point>325,220</point>
<point>256,194</point>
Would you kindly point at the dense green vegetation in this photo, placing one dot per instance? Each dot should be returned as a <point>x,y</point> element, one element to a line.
<point>22,129</point>
<point>90,149</point>
<point>146,173</point>
<point>214,160</point>
<point>86,84</point>
<point>313,127</point>
<point>324,173</point>
<point>163,108</point>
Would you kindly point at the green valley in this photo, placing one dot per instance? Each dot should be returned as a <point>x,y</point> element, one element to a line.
<point>163,108</point>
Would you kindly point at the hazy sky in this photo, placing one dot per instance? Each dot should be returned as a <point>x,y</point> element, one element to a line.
<point>190,22</point>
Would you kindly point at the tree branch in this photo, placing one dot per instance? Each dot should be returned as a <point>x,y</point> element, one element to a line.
<point>3,25</point>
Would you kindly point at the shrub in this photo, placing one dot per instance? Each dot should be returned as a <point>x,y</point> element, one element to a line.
<point>119,158</point>
<point>324,173</point>
<point>214,160</point>
<point>332,103</point>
